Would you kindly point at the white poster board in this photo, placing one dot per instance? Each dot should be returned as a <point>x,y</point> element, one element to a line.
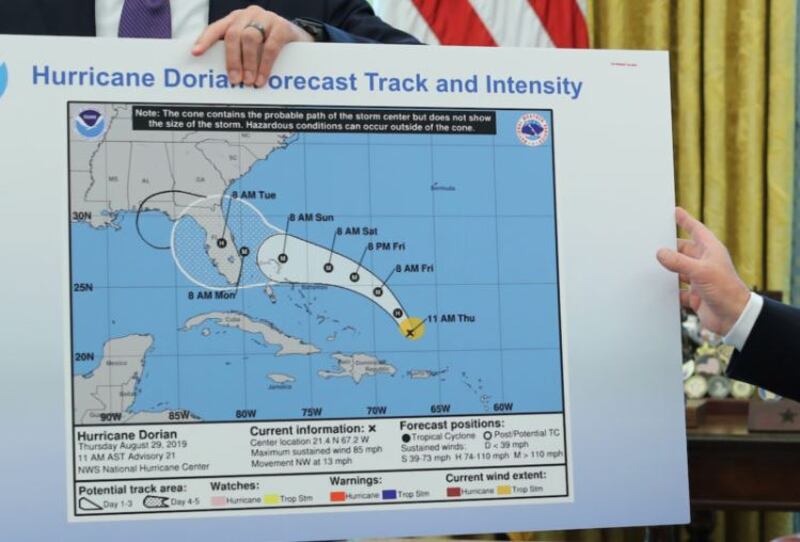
<point>403,290</point>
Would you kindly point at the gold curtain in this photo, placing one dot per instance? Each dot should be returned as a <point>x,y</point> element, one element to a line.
<point>732,64</point>
<point>733,115</point>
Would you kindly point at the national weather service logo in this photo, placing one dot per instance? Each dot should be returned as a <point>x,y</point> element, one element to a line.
<point>532,129</point>
<point>3,79</point>
<point>90,123</point>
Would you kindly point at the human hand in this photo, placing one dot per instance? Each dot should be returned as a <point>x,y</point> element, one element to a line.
<point>715,293</point>
<point>249,53</point>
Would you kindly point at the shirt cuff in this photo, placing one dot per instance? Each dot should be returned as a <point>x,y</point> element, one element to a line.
<point>740,331</point>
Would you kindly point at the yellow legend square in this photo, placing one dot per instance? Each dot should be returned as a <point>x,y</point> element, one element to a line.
<point>504,490</point>
<point>272,499</point>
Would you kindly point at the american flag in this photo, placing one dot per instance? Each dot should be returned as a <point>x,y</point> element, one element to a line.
<point>516,23</point>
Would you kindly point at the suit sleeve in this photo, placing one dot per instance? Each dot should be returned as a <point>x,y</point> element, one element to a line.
<point>771,355</point>
<point>353,21</point>
<point>21,18</point>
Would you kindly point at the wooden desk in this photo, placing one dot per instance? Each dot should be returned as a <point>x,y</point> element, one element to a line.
<point>731,468</point>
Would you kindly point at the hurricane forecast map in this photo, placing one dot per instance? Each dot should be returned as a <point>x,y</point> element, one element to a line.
<point>297,307</point>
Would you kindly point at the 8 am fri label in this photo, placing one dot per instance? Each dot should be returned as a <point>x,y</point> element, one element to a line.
<point>254,465</point>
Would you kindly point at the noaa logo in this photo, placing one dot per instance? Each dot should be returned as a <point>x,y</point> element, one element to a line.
<point>90,123</point>
<point>3,79</point>
<point>532,130</point>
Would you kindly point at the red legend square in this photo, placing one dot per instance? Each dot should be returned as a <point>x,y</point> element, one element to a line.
<point>453,491</point>
<point>338,496</point>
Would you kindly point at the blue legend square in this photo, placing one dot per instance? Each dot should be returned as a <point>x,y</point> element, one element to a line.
<point>389,494</point>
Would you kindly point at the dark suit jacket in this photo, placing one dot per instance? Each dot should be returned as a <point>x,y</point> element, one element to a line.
<point>346,20</point>
<point>771,356</point>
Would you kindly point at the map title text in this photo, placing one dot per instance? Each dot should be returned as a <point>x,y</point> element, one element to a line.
<point>371,81</point>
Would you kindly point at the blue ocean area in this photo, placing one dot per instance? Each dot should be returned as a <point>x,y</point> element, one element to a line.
<point>463,228</point>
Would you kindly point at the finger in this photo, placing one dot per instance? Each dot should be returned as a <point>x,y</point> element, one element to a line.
<point>212,34</point>
<point>694,301</point>
<point>233,50</point>
<point>690,248</point>
<point>694,227</point>
<point>684,278</point>
<point>276,40</point>
<point>677,262</point>
<point>252,46</point>
<point>252,42</point>
<point>685,298</point>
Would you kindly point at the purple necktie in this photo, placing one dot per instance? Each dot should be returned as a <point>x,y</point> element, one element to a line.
<point>146,19</point>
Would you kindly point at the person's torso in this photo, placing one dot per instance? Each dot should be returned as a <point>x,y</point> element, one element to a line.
<point>79,17</point>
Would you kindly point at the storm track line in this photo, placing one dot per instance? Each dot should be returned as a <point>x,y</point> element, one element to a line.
<point>286,259</point>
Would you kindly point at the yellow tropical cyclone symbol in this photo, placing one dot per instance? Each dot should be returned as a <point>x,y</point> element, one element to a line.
<point>412,328</point>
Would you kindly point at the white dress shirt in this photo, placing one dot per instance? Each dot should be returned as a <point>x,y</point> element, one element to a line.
<point>740,331</point>
<point>189,17</point>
